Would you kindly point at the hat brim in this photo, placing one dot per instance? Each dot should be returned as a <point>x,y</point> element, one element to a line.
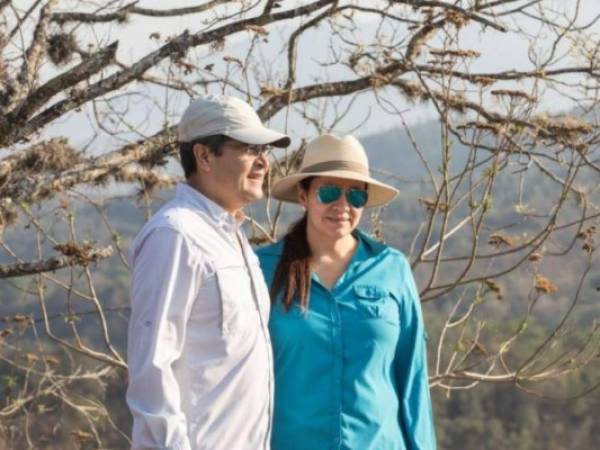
<point>259,136</point>
<point>286,188</point>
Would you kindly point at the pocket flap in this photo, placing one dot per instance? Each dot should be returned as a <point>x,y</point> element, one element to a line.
<point>369,292</point>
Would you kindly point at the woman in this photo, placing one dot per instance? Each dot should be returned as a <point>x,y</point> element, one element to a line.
<point>346,326</point>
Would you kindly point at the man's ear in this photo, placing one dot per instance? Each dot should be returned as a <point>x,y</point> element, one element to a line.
<point>203,157</point>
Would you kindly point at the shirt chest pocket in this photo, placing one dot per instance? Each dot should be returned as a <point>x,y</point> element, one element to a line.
<point>374,302</point>
<point>235,296</point>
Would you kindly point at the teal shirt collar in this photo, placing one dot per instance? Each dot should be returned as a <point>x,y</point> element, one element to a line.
<point>368,245</point>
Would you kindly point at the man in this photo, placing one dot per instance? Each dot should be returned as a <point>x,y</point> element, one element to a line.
<point>199,354</point>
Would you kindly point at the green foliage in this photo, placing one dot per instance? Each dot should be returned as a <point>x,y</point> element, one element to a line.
<point>556,415</point>
<point>499,417</point>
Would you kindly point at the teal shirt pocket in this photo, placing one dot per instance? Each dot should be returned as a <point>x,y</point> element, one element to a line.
<point>374,302</point>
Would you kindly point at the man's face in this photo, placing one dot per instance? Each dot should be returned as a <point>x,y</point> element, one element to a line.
<point>238,174</point>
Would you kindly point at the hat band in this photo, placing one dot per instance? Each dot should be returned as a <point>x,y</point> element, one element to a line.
<point>337,165</point>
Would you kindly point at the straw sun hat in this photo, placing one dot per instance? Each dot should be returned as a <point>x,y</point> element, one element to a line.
<point>333,156</point>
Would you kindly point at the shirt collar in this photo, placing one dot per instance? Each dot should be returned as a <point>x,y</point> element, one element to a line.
<point>223,218</point>
<point>367,244</point>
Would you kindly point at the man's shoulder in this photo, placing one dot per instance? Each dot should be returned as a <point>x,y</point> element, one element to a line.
<point>176,216</point>
<point>175,219</point>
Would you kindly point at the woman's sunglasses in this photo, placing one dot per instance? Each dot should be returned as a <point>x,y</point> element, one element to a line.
<point>329,193</point>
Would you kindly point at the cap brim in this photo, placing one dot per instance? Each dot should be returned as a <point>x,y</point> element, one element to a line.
<point>286,189</point>
<point>259,136</point>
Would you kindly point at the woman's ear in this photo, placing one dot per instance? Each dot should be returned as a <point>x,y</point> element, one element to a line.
<point>202,155</point>
<point>302,196</point>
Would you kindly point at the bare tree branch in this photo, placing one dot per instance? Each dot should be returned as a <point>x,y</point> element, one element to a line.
<point>122,13</point>
<point>30,268</point>
<point>66,80</point>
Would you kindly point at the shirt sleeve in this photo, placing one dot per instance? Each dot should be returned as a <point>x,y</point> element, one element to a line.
<point>164,284</point>
<point>411,370</point>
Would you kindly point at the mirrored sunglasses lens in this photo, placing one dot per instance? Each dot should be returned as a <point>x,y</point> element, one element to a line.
<point>329,194</point>
<point>357,198</point>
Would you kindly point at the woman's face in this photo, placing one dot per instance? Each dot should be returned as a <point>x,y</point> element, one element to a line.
<point>333,220</point>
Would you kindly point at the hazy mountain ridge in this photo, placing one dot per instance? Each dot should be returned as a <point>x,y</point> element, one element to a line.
<point>493,417</point>
<point>389,152</point>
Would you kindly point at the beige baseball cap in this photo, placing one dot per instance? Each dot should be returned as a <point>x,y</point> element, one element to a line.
<point>333,156</point>
<point>230,116</point>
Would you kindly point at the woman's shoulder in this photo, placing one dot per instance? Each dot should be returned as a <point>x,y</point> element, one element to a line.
<point>376,247</point>
<point>269,256</point>
<point>270,251</point>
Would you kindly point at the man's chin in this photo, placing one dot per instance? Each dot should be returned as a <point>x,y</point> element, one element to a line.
<point>252,195</point>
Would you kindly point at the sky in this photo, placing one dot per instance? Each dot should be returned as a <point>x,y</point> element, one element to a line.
<point>499,51</point>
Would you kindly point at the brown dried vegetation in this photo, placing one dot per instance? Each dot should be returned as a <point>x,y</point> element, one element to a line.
<point>53,70</point>
<point>499,240</point>
<point>544,285</point>
<point>61,47</point>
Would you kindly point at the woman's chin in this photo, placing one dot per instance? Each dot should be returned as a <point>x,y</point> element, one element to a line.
<point>338,231</point>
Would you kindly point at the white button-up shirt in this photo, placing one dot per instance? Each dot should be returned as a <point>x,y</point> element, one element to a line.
<point>199,354</point>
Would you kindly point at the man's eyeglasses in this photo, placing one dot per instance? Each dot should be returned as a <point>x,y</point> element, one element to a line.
<point>329,193</point>
<point>257,150</point>
<point>253,150</point>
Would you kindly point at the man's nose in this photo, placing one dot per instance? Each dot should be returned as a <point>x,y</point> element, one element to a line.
<point>262,160</point>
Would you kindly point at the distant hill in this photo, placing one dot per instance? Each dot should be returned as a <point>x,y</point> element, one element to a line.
<point>393,160</point>
<point>490,416</point>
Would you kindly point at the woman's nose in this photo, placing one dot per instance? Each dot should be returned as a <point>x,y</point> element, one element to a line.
<point>341,202</point>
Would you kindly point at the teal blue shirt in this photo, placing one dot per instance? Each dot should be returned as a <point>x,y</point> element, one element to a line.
<point>351,371</point>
